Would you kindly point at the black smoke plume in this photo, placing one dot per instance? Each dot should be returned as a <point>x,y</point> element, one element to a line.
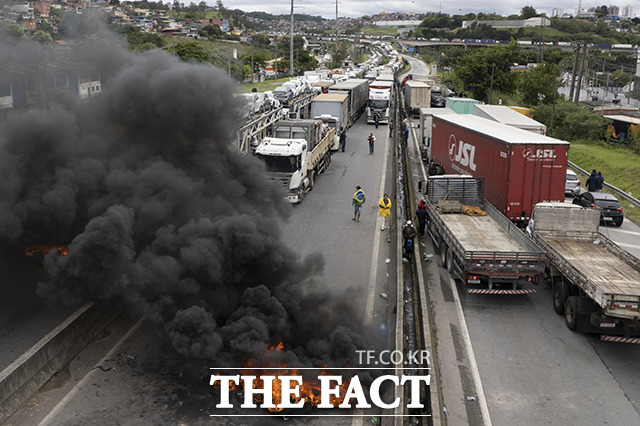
<point>160,211</point>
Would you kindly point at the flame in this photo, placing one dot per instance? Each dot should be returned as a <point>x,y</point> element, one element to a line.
<point>309,390</point>
<point>44,249</point>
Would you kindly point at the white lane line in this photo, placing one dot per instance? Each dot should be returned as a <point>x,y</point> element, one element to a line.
<point>484,409</point>
<point>373,272</point>
<point>78,387</point>
<point>633,246</point>
<point>623,231</point>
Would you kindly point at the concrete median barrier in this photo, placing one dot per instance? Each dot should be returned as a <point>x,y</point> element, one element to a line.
<point>35,367</point>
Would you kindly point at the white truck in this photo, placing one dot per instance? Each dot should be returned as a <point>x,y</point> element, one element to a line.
<point>333,109</point>
<point>595,283</point>
<point>296,154</point>
<point>379,101</point>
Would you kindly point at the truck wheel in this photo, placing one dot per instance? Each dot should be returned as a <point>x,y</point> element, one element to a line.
<point>449,259</point>
<point>558,299</point>
<point>312,180</point>
<point>443,255</point>
<point>571,312</point>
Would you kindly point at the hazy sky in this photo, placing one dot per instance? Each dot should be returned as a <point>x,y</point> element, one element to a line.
<point>356,8</point>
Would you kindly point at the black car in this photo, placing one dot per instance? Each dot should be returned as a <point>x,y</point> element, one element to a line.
<point>610,207</point>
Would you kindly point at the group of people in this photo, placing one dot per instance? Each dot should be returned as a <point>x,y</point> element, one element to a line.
<point>409,230</point>
<point>595,181</point>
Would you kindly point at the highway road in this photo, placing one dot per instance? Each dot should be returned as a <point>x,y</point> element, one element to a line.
<point>130,376</point>
<point>532,368</point>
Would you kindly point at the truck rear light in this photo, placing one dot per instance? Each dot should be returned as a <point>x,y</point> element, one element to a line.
<point>625,305</point>
<point>473,279</point>
<point>531,279</point>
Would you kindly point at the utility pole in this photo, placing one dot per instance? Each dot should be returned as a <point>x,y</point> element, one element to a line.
<point>573,72</point>
<point>291,44</point>
<point>493,67</point>
<point>540,57</point>
<point>252,73</point>
<point>580,74</point>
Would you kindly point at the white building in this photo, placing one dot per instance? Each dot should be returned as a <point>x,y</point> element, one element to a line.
<point>556,12</point>
<point>627,11</point>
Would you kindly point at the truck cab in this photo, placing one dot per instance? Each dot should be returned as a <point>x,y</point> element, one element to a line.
<point>296,153</point>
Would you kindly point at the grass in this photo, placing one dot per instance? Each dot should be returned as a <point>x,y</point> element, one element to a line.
<point>376,30</point>
<point>620,167</point>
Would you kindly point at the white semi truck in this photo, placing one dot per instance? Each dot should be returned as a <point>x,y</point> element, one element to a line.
<point>379,101</point>
<point>296,154</point>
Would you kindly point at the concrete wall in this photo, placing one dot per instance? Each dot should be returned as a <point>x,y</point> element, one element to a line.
<point>35,367</point>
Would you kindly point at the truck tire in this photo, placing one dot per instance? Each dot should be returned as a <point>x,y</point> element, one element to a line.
<point>558,298</point>
<point>443,255</point>
<point>449,260</point>
<point>312,179</point>
<point>571,312</point>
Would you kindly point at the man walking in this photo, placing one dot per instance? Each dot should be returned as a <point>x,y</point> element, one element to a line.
<point>599,182</point>
<point>358,200</point>
<point>592,181</point>
<point>385,210</point>
<point>406,136</point>
<point>372,141</point>
<point>343,140</point>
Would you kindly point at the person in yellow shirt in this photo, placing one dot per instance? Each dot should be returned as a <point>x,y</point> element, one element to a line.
<point>385,210</point>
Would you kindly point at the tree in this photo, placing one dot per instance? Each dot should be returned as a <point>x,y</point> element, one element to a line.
<point>602,11</point>
<point>191,51</point>
<point>42,36</point>
<point>10,30</point>
<point>528,12</point>
<point>572,122</point>
<point>537,84</point>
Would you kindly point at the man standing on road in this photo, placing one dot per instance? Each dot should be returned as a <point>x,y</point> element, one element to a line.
<point>372,141</point>
<point>592,181</point>
<point>358,200</point>
<point>343,140</point>
<point>421,215</point>
<point>385,210</point>
<point>406,136</point>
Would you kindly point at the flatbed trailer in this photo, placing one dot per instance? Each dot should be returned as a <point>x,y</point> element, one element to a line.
<point>596,284</point>
<point>487,252</point>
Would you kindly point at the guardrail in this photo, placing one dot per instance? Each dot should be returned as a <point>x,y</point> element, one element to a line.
<point>618,191</point>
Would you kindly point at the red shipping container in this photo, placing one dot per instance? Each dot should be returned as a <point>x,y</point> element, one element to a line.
<point>520,168</point>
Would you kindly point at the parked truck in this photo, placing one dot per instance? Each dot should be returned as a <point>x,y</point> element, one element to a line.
<point>417,94</point>
<point>358,90</point>
<point>596,284</point>
<point>380,92</point>
<point>296,154</point>
<point>521,168</point>
<point>333,109</point>
<point>478,244</point>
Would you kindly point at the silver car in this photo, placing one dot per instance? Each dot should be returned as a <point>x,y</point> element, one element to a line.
<point>572,184</point>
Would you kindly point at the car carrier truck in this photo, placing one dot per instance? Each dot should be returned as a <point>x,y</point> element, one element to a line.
<point>477,243</point>
<point>596,284</point>
<point>520,168</point>
<point>296,154</point>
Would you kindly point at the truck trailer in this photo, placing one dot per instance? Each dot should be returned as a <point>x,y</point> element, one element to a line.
<point>520,168</point>
<point>296,154</point>
<point>480,246</point>
<point>505,115</point>
<point>417,94</point>
<point>333,109</point>
<point>358,90</point>
<point>596,284</point>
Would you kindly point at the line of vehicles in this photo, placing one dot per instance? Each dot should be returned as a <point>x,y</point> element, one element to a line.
<point>298,149</point>
<point>487,182</point>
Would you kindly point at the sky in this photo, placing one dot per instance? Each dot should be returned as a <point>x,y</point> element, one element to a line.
<point>357,8</point>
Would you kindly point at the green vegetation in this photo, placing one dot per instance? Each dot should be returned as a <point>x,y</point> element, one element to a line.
<point>376,30</point>
<point>619,166</point>
<point>265,85</point>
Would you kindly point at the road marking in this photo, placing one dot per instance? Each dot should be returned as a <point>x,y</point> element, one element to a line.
<point>633,246</point>
<point>373,272</point>
<point>484,409</point>
<point>475,373</point>
<point>56,410</point>
<point>623,231</point>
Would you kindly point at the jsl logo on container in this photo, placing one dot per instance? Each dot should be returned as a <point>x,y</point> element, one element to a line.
<point>539,154</point>
<point>463,153</point>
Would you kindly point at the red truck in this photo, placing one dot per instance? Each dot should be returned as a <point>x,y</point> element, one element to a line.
<point>520,168</point>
